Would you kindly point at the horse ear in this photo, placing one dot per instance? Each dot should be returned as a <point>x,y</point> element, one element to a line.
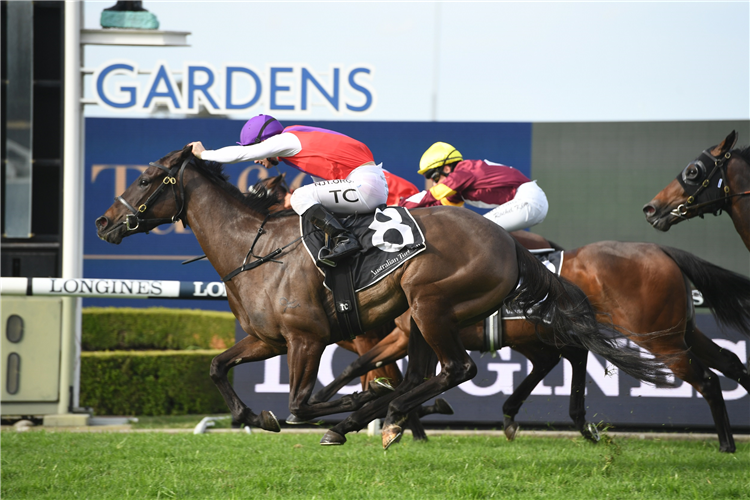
<point>186,152</point>
<point>276,181</point>
<point>727,144</point>
<point>731,140</point>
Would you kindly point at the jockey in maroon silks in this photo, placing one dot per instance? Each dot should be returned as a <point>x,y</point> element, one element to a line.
<point>517,202</point>
<point>347,179</point>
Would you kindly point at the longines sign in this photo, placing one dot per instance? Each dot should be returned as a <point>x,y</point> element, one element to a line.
<point>235,88</point>
<point>118,288</point>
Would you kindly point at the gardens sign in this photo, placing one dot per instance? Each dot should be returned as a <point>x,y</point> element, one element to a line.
<point>235,88</point>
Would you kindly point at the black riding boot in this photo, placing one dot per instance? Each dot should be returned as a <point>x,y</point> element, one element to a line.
<point>344,241</point>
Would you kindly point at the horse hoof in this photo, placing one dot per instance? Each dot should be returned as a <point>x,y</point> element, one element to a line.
<point>443,407</point>
<point>379,387</point>
<point>591,432</point>
<point>420,437</point>
<point>269,422</point>
<point>510,431</point>
<point>727,449</point>
<point>332,438</point>
<point>293,419</point>
<point>391,434</point>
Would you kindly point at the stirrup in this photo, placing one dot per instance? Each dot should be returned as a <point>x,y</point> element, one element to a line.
<point>323,260</point>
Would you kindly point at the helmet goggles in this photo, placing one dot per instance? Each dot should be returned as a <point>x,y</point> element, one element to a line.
<point>436,157</point>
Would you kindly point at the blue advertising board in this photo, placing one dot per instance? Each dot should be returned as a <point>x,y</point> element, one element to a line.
<point>612,397</point>
<point>117,151</point>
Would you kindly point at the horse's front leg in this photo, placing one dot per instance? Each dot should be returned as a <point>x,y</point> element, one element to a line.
<point>246,350</point>
<point>390,349</point>
<point>303,357</point>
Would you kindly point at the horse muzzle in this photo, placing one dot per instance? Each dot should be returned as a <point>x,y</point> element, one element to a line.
<point>659,217</point>
<point>109,232</point>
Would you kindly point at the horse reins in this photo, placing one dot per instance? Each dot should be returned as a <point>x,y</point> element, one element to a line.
<point>720,165</point>
<point>246,266</point>
<point>169,180</point>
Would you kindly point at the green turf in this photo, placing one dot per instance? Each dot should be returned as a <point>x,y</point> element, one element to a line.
<point>61,465</point>
<point>178,422</point>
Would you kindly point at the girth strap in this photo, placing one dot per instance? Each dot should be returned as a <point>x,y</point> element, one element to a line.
<point>493,332</point>
<point>345,300</point>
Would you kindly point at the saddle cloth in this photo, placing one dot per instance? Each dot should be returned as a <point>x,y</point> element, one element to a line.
<point>493,325</point>
<point>389,237</point>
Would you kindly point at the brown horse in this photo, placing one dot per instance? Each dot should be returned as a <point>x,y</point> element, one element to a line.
<point>643,288</point>
<point>276,189</point>
<point>719,179</point>
<point>469,267</point>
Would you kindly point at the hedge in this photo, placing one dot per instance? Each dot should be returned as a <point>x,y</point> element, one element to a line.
<point>150,383</point>
<point>124,328</point>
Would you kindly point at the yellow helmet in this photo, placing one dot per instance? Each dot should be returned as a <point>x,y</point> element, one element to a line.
<point>437,156</point>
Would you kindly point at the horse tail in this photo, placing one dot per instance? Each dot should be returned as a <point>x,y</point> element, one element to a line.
<point>552,302</point>
<point>727,293</point>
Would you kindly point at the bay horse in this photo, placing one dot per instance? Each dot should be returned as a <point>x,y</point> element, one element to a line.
<point>719,179</point>
<point>387,374</point>
<point>469,267</point>
<point>642,287</point>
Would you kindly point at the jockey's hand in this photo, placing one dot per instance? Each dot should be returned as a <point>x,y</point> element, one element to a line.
<point>268,162</point>
<point>197,148</point>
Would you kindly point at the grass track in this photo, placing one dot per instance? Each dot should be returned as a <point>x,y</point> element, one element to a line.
<point>61,465</point>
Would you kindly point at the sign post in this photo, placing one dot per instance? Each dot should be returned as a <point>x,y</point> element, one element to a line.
<point>73,182</point>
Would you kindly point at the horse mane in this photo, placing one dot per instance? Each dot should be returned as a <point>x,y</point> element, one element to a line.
<point>214,172</point>
<point>743,153</point>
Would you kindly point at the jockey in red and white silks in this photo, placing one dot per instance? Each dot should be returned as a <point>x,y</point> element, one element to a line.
<point>347,179</point>
<point>518,202</point>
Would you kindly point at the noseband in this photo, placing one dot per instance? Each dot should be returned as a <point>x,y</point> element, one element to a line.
<point>169,180</point>
<point>717,197</point>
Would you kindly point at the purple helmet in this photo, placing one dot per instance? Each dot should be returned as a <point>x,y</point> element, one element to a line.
<point>258,129</point>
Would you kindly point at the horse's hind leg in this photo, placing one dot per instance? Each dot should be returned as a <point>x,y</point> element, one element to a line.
<point>390,349</point>
<point>543,360</point>
<point>419,368</point>
<point>303,358</point>
<point>457,367</point>
<point>378,409</point>
<point>720,359</point>
<point>417,429</point>
<point>693,371</point>
<point>578,359</point>
<point>247,349</point>
<point>440,407</point>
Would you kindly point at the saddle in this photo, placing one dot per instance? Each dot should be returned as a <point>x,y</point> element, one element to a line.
<point>389,237</point>
<point>493,325</point>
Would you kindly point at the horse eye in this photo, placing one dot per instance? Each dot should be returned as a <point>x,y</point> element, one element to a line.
<point>691,172</point>
<point>143,182</point>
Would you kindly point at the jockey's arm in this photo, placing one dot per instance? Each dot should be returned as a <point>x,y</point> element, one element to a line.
<point>421,199</point>
<point>445,192</point>
<point>444,195</point>
<point>282,145</point>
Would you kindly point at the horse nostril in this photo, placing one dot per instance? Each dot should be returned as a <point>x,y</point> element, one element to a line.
<point>649,210</point>
<point>102,222</point>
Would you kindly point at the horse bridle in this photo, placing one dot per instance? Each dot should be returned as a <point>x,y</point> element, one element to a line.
<point>720,165</point>
<point>170,180</point>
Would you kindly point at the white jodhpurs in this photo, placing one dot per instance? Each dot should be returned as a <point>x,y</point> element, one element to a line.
<point>526,209</point>
<point>362,191</point>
